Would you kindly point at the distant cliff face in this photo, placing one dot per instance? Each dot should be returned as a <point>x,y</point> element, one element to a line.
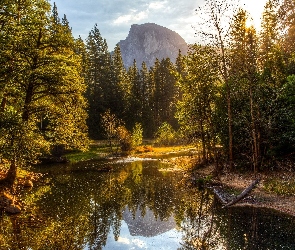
<point>149,41</point>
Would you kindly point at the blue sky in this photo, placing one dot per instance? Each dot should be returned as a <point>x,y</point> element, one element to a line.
<point>114,17</point>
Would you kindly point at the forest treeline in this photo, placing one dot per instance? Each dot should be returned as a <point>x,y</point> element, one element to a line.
<point>233,94</point>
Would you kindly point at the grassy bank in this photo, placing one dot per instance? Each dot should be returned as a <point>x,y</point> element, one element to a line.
<point>97,150</point>
<point>101,150</point>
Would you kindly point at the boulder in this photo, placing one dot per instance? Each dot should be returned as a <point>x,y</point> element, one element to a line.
<point>12,209</point>
<point>28,183</point>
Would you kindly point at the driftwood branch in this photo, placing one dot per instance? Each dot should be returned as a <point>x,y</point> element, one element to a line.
<point>223,198</point>
<point>221,195</point>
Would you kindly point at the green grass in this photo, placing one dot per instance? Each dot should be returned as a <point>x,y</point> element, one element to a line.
<point>101,150</point>
<point>281,187</point>
<point>97,150</point>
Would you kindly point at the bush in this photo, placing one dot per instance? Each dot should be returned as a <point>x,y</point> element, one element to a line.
<point>144,149</point>
<point>124,138</point>
<point>137,135</point>
<point>165,135</point>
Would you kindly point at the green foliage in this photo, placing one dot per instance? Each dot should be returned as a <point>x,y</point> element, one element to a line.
<point>137,135</point>
<point>283,137</point>
<point>199,90</point>
<point>41,89</point>
<point>95,152</point>
<point>165,135</point>
<point>280,187</point>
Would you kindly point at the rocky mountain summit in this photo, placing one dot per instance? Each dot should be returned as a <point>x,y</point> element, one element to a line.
<point>149,41</point>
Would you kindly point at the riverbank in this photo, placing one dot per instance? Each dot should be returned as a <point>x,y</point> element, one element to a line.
<point>275,189</point>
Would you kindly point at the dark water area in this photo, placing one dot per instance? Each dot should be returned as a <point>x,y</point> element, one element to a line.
<point>135,205</point>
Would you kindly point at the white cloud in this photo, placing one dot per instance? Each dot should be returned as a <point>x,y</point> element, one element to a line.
<point>139,243</point>
<point>133,242</point>
<point>157,5</point>
<point>130,18</point>
<point>123,240</point>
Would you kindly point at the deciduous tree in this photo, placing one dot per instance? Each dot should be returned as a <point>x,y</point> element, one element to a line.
<point>42,89</point>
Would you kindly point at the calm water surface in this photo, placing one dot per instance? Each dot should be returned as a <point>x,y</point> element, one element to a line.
<point>135,205</point>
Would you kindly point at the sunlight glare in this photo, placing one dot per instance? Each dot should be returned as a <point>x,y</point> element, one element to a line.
<point>255,9</point>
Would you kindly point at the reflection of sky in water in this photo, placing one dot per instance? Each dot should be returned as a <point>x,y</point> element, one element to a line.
<point>167,241</point>
<point>83,206</point>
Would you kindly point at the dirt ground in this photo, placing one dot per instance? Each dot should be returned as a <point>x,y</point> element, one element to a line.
<point>259,196</point>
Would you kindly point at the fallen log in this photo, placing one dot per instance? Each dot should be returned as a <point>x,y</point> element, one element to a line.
<point>227,200</point>
<point>221,195</point>
<point>243,194</point>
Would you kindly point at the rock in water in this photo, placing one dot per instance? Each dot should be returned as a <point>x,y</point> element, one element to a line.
<point>28,183</point>
<point>13,209</point>
<point>149,41</point>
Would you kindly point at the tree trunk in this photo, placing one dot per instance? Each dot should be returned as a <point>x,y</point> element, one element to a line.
<point>31,86</point>
<point>3,104</point>
<point>203,142</point>
<point>224,71</point>
<point>243,194</point>
<point>225,197</point>
<point>254,137</point>
<point>230,133</point>
<point>28,100</point>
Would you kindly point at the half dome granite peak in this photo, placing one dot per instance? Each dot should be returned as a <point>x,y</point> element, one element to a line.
<point>146,42</point>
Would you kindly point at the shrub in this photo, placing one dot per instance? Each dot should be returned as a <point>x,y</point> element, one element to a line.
<point>165,135</point>
<point>144,149</point>
<point>124,138</point>
<point>137,135</point>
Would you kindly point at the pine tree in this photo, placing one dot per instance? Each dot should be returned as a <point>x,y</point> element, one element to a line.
<point>243,75</point>
<point>121,85</point>
<point>135,110</point>
<point>146,101</point>
<point>80,50</point>
<point>98,80</point>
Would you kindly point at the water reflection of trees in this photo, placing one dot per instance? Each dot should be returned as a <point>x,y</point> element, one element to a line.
<point>80,210</point>
<point>199,222</point>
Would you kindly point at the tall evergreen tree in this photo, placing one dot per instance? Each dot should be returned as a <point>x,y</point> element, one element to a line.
<point>98,80</point>
<point>165,92</point>
<point>244,78</point>
<point>135,110</point>
<point>121,85</point>
<point>146,101</point>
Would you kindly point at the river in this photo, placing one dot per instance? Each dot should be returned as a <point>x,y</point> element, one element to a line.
<point>119,204</point>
